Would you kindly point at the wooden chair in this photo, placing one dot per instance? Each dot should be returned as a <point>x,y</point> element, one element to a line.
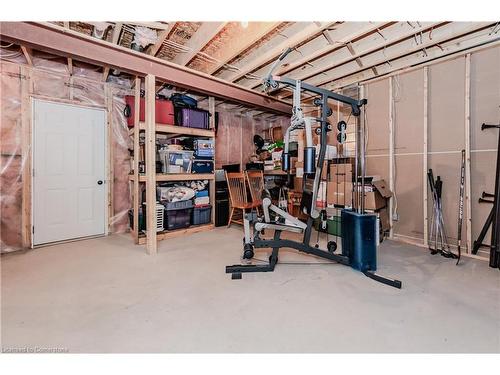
<point>238,196</point>
<point>255,180</point>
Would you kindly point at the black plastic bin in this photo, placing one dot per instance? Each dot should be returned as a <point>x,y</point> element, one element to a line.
<point>177,219</point>
<point>202,215</point>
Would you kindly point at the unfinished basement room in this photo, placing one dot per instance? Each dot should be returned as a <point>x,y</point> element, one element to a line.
<point>275,186</point>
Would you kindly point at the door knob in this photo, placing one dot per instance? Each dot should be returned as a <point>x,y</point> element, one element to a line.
<point>99,182</point>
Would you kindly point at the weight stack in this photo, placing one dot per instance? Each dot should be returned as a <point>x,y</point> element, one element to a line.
<point>359,240</point>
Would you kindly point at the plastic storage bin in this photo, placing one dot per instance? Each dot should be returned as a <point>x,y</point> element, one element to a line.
<point>202,166</point>
<point>176,161</point>
<point>178,219</point>
<point>333,226</point>
<point>180,205</point>
<point>204,148</point>
<point>202,215</point>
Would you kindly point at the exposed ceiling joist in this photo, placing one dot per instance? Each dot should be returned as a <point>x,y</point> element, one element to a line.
<point>62,42</point>
<point>206,32</point>
<point>344,33</point>
<point>419,58</point>
<point>395,34</point>
<point>117,31</point>
<point>254,32</point>
<point>440,35</point>
<point>450,48</point>
<point>162,36</point>
<point>298,38</point>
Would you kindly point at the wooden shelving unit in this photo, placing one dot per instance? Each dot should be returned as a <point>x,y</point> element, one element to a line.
<point>176,177</point>
<point>177,130</point>
<point>150,128</point>
<point>177,232</point>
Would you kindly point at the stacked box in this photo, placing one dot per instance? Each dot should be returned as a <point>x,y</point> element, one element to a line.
<point>339,193</point>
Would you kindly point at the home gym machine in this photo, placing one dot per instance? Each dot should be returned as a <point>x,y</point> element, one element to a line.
<point>359,231</point>
<point>494,216</point>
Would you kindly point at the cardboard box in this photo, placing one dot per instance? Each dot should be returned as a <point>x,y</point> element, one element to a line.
<point>321,197</point>
<point>377,199</point>
<point>324,171</point>
<point>299,168</point>
<point>293,162</point>
<point>341,172</point>
<point>383,215</point>
<point>300,144</point>
<point>297,184</point>
<point>339,193</point>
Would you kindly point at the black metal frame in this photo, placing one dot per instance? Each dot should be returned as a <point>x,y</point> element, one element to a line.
<point>276,243</point>
<point>494,215</point>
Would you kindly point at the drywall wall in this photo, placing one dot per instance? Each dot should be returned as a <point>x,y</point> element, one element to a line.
<point>446,137</point>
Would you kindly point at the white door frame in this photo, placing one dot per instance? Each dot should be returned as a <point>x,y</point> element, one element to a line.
<point>34,99</point>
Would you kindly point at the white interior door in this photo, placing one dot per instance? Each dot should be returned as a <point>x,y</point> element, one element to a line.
<point>69,172</point>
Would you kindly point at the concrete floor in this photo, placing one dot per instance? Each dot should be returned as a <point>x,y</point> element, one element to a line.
<point>107,295</point>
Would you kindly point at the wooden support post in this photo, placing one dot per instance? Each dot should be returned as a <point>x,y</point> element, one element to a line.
<point>391,156</point>
<point>150,163</point>
<point>70,66</point>
<point>136,197</point>
<point>211,109</point>
<point>425,164</point>
<point>27,55</point>
<point>26,152</point>
<point>109,147</point>
<point>468,205</point>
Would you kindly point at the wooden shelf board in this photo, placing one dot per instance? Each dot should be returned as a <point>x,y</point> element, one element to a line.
<point>177,177</point>
<point>173,129</point>
<point>177,232</point>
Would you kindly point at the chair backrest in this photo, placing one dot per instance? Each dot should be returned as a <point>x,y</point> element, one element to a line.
<point>237,188</point>
<point>255,181</point>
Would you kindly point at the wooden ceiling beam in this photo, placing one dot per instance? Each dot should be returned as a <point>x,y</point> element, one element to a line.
<point>115,39</point>
<point>59,41</point>
<point>28,53</point>
<point>364,48</point>
<point>291,42</point>
<point>202,36</point>
<point>418,57</point>
<point>413,58</point>
<point>440,35</point>
<point>162,36</point>
<point>254,32</point>
<point>344,33</point>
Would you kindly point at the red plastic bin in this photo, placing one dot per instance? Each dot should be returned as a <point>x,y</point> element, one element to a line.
<point>164,111</point>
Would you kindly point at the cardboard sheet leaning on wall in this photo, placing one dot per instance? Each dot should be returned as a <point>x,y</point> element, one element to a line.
<point>50,79</point>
